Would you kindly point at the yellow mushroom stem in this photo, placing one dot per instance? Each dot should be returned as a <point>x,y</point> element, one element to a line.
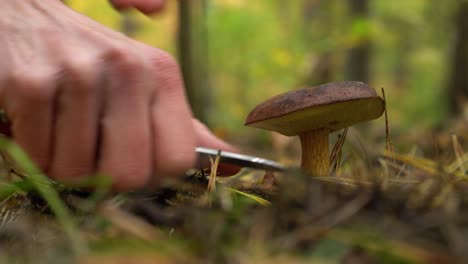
<point>315,157</point>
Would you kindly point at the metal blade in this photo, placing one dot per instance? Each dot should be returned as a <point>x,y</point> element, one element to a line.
<point>240,160</point>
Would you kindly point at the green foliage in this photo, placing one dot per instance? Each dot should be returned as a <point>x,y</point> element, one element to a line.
<point>258,49</point>
<point>257,54</point>
<point>47,189</point>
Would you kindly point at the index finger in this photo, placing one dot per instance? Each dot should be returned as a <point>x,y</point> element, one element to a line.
<point>144,6</point>
<point>172,130</point>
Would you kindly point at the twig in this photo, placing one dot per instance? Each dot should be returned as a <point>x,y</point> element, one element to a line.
<point>335,156</point>
<point>339,215</point>
<point>388,138</point>
<point>429,166</point>
<point>340,152</point>
<point>458,163</point>
<point>457,148</point>
<point>214,171</point>
<point>127,222</point>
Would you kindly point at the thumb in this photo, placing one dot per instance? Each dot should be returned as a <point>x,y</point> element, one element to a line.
<point>206,139</point>
<point>144,6</point>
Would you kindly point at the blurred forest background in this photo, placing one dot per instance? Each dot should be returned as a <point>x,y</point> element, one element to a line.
<point>236,53</point>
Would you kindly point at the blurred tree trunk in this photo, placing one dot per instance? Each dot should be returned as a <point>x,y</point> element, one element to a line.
<point>193,56</point>
<point>402,69</point>
<point>128,25</point>
<point>358,61</point>
<point>458,86</point>
<point>323,68</point>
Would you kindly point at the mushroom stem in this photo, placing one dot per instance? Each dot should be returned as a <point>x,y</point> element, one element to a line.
<point>315,157</point>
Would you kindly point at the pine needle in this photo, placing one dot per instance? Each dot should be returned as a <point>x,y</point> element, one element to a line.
<point>429,166</point>
<point>335,156</point>
<point>214,170</point>
<point>256,198</point>
<point>458,163</point>
<point>388,138</point>
<point>457,148</point>
<point>128,222</point>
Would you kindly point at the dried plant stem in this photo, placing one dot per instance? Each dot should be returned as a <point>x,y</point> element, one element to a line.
<point>335,156</point>
<point>388,138</point>
<point>127,222</point>
<point>214,171</point>
<point>457,148</point>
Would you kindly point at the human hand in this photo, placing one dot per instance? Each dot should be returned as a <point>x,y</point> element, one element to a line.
<point>83,99</point>
<point>144,6</point>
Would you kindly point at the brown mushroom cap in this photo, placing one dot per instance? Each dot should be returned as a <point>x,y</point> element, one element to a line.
<point>333,106</point>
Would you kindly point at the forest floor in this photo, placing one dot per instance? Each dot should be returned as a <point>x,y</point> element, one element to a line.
<point>378,206</point>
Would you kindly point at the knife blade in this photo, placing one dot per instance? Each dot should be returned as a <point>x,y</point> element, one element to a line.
<point>237,159</point>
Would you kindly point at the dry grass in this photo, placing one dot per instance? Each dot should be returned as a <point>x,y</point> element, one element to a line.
<point>404,207</point>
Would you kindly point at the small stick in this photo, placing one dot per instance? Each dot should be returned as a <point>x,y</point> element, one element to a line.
<point>343,136</point>
<point>457,148</point>
<point>127,222</point>
<point>335,157</point>
<point>214,171</point>
<point>388,139</point>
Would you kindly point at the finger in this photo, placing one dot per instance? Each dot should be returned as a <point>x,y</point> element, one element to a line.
<point>206,139</point>
<point>173,134</point>
<point>76,122</point>
<point>144,6</point>
<point>28,101</point>
<point>125,126</point>
<point>28,85</point>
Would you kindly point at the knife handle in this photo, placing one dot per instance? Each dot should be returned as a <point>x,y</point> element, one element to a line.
<point>5,125</point>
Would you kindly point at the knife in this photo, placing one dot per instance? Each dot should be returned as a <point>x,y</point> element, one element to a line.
<point>237,159</point>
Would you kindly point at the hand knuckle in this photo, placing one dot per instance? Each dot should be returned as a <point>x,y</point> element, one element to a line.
<point>168,75</point>
<point>125,61</point>
<point>33,86</point>
<point>82,73</point>
<point>165,61</point>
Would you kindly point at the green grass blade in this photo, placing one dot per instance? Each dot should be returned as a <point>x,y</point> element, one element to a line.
<point>257,199</point>
<point>45,188</point>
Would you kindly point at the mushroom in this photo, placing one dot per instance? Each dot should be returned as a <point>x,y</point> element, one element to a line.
<point>313,113</point>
